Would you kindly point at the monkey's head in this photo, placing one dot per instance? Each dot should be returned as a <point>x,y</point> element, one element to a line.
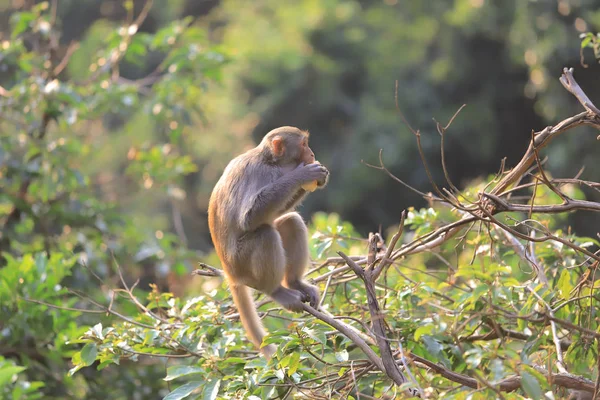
<point>288,145</point>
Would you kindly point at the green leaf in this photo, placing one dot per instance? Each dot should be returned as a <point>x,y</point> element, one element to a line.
<point>182,370</point>
<point>323,247</point>
<point>294,363</point>
<point>41,263</point>
<point>97,331</point>
<point>136,50</point>
<point>285,361</point>
<point>150,336</point>
<point>211,390</point>
<point>316,336</point>
<point>183,391</point>
<point>106,363</point>
<point>432,345</point>
<point>88,354</point>
<point>21,22</point>
<point>473,357</point>
<point>497,369</point>
<point>423,330</point>
<point>75,369</point>
<point>531,386</point>
<point>564,284</point>
<point>342,243</point>
<point>267,392</point>
<point>341,355</point>
<point>279,374</point>
<point>233,360</point>
<point>7,373</point>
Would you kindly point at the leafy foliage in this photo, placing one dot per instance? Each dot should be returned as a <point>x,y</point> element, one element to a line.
<point>14,386</point>
<point>590,40</point>
<point>54,223</point>
<point>442,312</point>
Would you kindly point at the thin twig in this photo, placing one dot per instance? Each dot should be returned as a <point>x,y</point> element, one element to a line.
<point>67,57</point>
<point>560,360</point>
<point>387,258</point>
<point>210,271</point>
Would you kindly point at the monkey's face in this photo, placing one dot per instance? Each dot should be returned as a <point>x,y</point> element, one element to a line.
<point>306,154</point>
<point>292,148</point>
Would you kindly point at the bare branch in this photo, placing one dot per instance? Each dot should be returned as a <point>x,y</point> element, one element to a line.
<point>67,57</point>
<point>510,384</point>
<point>383,168</point>
<point>387,357</point>
<point>210,271</point>
<point>568,81</point>
<point>442,131</point>
<point>349,333</point>
<point>522,252</point>
<point>560,361</point>
<point>387,260</point>
<point>569,205</point>
<point>541,139</point>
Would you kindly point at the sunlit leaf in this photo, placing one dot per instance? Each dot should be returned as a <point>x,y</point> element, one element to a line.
<point>531,386</point>
<point>294,363</point>
<point>183,391</point>
<point>88,354</point>
<point>7,373</point>
<point>341,355</point>
<point>211,389</point>
<point>182,370</point>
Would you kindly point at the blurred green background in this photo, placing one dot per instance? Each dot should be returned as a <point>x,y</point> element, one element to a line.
<point>149,150</point>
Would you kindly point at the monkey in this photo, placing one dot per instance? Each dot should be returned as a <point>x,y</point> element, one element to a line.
<point>580,395</point>
<point>261,241</point>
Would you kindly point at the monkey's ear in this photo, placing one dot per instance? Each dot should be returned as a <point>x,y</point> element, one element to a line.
<point>278,147</point>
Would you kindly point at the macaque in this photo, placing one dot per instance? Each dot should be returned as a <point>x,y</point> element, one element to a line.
<point>580,395</point>
<point>261,242</point>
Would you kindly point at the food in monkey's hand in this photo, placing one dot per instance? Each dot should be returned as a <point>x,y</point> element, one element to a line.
<point>311,186</point>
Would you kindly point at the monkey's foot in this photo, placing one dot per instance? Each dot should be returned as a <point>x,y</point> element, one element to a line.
<point>290,299</point>
<point>268,351</point>
<point>310,294</point>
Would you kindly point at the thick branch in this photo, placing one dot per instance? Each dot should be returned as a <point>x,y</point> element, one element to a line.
<point>349,333</point>
<point>509,384</point>
<point>540,139</point>
<point>390,367</point>
<point>568,205</point>
<point>568,81</point>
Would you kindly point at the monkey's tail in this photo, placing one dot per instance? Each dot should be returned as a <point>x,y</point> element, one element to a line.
<point>250,319</point>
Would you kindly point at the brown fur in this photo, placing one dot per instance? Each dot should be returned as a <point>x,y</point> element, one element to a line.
<point>260,241</point>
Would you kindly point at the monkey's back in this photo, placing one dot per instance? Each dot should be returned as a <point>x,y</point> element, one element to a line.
<point>233,195</point>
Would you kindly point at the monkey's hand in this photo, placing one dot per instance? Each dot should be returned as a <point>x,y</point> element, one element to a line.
<point>306,173</point>
<point>322,182</point>
<point>317,183</point>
